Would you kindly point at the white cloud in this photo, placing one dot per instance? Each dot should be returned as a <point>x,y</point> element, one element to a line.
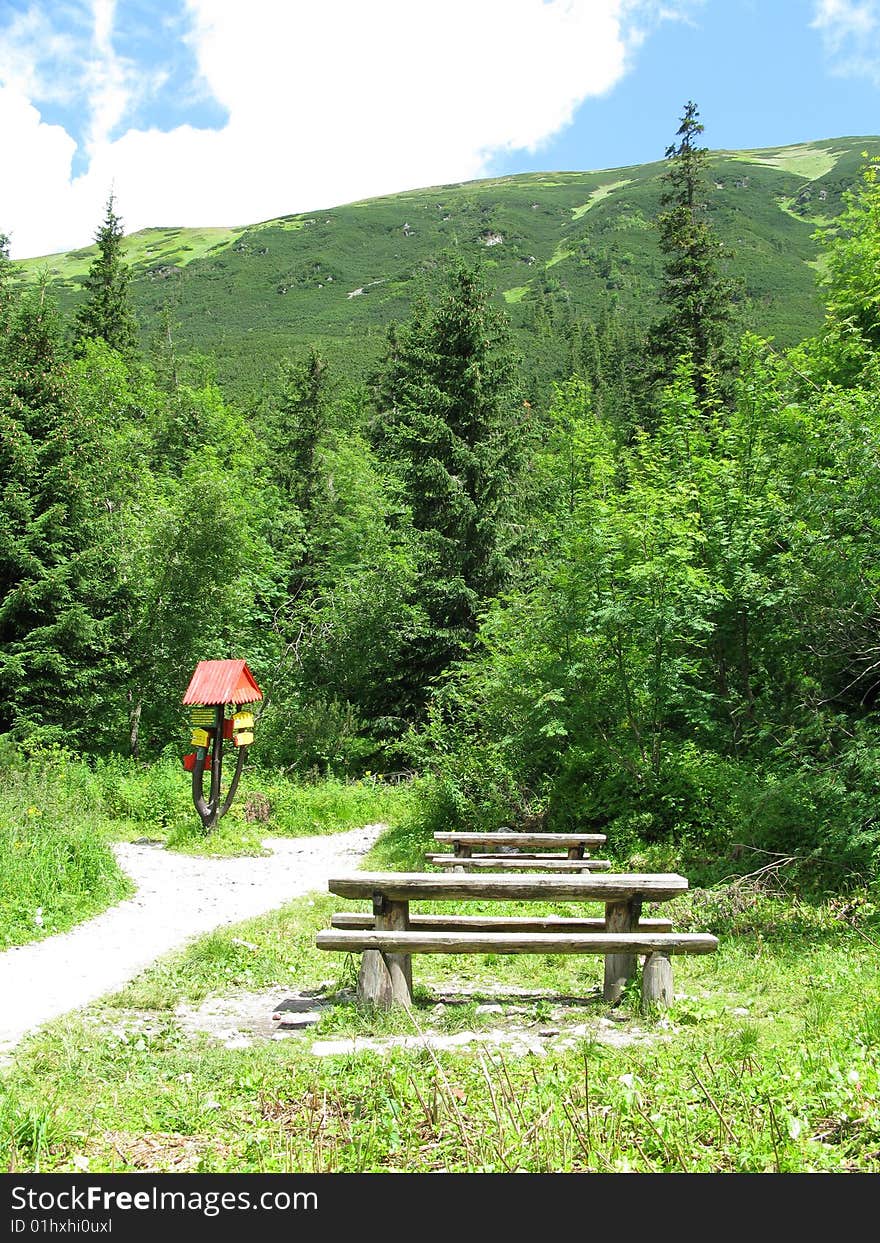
<point>850,30</point>
<point>109,79</point>
<point>29,200</point>
<point>328,102</point>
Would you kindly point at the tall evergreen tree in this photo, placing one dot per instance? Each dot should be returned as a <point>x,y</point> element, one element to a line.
<point>299,422</point>
<point>697,294</point>
<point>296,425</point>
<point>450,418</point>
<point>106,312</point>
<point>611,355</point>
<point>54,589</point>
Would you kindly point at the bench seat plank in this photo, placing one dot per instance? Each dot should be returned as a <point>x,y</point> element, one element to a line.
<point>438,886</point>
<point>505,854</point>
<point>510,863</point>
<point>416,941</point>
<point>560,840</point>
<point>494,923</point>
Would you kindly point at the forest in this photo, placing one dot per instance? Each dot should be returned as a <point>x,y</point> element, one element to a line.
<point>641,600</point>
<point>648,602</point>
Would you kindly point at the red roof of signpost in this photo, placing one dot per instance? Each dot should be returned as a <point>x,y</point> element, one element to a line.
<point>222,682</point>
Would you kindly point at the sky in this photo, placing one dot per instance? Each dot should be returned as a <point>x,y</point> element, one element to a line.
<point>226,112</point>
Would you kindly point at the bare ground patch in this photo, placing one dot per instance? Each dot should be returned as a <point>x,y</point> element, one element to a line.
<point>521,1021</point>
<point>160,1151</point>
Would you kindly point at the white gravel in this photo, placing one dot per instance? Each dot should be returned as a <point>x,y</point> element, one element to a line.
<point>178,897</point>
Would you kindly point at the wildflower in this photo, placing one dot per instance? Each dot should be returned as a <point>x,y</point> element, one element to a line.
<point>33,811</point>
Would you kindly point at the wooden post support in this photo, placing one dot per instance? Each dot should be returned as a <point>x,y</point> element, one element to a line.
<point>620,968</point>
<point>656,981</point>
<point>386,979</point>
<point>461,850</point>
<point>576,852</point>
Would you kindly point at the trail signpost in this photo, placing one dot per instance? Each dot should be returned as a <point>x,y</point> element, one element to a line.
<point>216,688</point>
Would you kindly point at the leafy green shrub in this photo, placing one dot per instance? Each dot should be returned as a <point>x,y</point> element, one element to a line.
<point>825,817</point>
<point>297,809</point>
<point>156,794</point>
<point>313,737</point>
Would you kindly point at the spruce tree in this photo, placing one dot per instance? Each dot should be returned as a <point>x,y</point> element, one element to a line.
<point>54,588</point>
<point>612,358</point>
<point>106,312</point>
<point>450,421</point>
<point>296,424</point>
<point>698,296</point>
<point>301,419</point>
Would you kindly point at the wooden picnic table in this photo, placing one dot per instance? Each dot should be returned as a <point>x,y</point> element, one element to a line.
<point>564,852</point>
<point>393,936</point>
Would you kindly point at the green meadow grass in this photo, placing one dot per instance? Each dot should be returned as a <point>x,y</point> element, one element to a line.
<point>808,160</point>
<point>766,1062</point>
<point>59,816</point>
<point>148,248</point>
<point>598,194</point>
<point>56,865</point>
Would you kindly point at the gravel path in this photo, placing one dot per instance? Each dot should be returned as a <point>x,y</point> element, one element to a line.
<point>178,897</point>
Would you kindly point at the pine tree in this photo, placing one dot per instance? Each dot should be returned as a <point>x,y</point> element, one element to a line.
<point>300,421</point>
<point>54,589</point>
<point>106,312</point>
<point>450,421</point>
<point>296,424</point>
<point>698,296</point>
<point>612,358</point>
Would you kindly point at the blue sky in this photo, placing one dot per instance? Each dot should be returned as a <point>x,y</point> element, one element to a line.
<point>763,74</point>
<point>214,112</point>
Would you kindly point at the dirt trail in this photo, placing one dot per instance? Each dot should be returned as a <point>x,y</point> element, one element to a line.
<point>177,898</point>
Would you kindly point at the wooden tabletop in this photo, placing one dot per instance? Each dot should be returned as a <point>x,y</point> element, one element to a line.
<point>604,887</point>
<point>562,840</point>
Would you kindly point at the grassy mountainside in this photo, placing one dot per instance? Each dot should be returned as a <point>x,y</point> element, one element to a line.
<point>556,246</point>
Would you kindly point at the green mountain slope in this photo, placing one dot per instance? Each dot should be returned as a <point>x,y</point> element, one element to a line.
<point>556,246</point>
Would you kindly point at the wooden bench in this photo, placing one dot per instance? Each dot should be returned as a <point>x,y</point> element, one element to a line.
<point>387,938</point>
<point>517,852</point>
<point>517,863</point>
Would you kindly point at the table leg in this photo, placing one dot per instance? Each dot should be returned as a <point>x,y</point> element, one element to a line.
<point>656,982</point>
<point>386,979</point>
<point>620,968</point>
<point>462,851</point>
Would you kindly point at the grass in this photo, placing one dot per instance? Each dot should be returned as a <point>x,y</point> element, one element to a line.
<point>59,816</point>
<point>596,197</point>
<point>766,1062</point>
<point>807,160</point>
<point>56,865</point>
<point>147,249</point>
<point>560,254</point>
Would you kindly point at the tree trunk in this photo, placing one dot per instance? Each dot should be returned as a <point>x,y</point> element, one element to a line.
<point>135,720</point>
